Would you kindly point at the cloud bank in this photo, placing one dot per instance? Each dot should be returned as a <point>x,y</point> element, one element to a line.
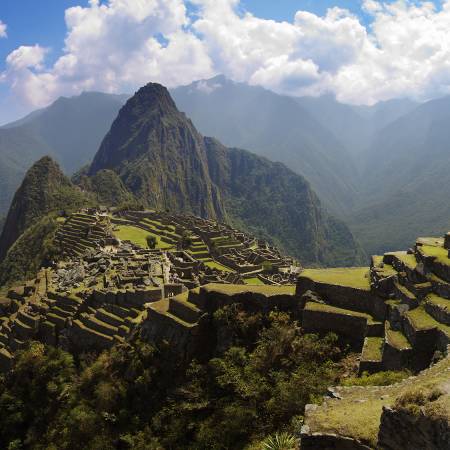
<point>118,45</point>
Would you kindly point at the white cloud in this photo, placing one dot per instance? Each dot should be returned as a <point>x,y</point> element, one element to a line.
<point>118,45</point>
<point>3,28</point>
<point>115,46</point>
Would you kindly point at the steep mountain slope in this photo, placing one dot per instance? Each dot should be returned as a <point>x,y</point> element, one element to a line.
<point>70,130</point>
<point>44,189</point>
<point>407,179</point>
<point>166,163</point>
<point>106,187</point>
<point>273,126</point>
<point>159,155</point>
<point>272,201</point>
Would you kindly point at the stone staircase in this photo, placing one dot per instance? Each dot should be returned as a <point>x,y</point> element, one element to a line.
<point>80,233</point>
<point>413,290</point>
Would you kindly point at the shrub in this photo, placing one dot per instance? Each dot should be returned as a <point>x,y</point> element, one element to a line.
<point>280,441</point>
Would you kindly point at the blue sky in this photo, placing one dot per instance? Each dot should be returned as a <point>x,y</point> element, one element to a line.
<point>379,50</point>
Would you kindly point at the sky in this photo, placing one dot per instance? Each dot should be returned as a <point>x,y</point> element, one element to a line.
<point>360,51</point>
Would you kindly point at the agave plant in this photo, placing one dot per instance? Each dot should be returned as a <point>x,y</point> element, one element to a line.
<point>280,441</point>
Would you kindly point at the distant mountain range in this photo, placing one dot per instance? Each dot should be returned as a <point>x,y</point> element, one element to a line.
<point>382,169</point>
<point>70,130</point>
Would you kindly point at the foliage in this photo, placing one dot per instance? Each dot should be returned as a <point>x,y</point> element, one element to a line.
<point>136,396</point>
<point>34,248</point>
<point>151,241</point>
<point>280,441</point>
<point>377,379</point>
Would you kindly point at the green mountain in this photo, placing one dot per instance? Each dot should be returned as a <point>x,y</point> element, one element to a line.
<point>45,189</point>
<point>159,155</point>
<point>276,127</point>
<point>105,187</point>
<point>70,130</point>
<point>167,164</point>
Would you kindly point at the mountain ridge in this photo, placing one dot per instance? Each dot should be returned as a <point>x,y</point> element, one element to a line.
<point>164,161</point>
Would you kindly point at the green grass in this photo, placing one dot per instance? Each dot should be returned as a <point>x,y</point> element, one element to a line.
<point>139,236</point>
<point>216,265</point>
<point>421,320</point>
<point>312,306</point>
<point>355,277</point>
<point>397,339</point>
<point>438,301</point>
<point>358,413</point>
<point>407,259</point>
<point>232,289</point>
<point>440,253</point>
<point>255,281</point>
<point>373,349</point>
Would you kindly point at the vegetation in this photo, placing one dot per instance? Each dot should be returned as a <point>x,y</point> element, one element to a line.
<point>136,396</point>
<point>151,241</point>
<point>139,236</point>
<point>150,138</point>
<point>44,190</point>
<point>377,379</point>
<point>216,265</point>
<point>355,277</point>
<point>34,249</point>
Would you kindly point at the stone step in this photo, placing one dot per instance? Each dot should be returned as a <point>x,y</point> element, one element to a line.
<point>108,317</point>
<point>16,344</point>
<point>21,330</point>
<point>56,319</point>
<point>180,307</point>
<point>27,319</point>
<point>64,299</point>
<point>61,312</point>
<point>439,286</point>
<point>419,290</point>
<point>69,308</point>
<point>438,308</point>
<point>372,355</point>
<point>91,322</point>
<point>4,339</point>
<point>102,339</point>
<point>124,330</point>
<point>426,335</point>
<point>120,311</point>
<point>405,295</point>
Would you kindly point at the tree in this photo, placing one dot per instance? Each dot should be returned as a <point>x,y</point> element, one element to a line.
<point>151,241</point>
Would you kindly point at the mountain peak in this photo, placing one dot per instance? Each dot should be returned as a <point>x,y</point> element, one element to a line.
<point>45,188</point>
<point>153,96</point>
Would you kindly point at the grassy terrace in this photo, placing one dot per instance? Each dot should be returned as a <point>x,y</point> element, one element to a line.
<point>373,349</point>
<point>438,301</point>
<point>232,289</point>
<point>407,259</point>
<point>440,253</point>
<point>421,320</point>
<point>255,281</point>
<point>139,236</point>
<point>432,241</point>
<point>358,413</point>
<point>355,277</point>
<point>218,266</point>
<point>396,338</point>
<point>312,306</point>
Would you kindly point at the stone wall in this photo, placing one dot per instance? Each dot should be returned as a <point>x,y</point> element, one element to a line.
<point>402,430</point>
<point>345,297</point>
<point>352,327</point>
